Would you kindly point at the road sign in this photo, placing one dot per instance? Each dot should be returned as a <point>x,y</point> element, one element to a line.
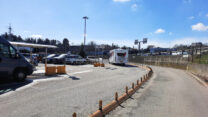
<point>136,42</point>
<point>144,40</point>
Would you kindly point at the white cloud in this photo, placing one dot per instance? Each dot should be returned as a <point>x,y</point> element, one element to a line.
<point>36,36</point>
<point>121,0</point>
<point>199,27</point>
<point>159,31</point>
<point>178,41</point>
<point>191,17</point>
<point>134,7</point>
<point>189,40</point>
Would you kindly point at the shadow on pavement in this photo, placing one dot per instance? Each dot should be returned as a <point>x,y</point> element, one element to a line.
<point>74,78</point>
<point>127,65</point>
<point>10,85</point>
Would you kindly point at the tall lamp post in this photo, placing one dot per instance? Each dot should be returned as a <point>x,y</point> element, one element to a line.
<point>85,19</point>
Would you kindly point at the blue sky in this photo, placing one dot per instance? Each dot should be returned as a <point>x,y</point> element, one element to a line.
<point>164,22</point>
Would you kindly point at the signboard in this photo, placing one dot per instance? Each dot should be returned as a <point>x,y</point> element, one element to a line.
<point>136,42</point>
<point>144,40</point>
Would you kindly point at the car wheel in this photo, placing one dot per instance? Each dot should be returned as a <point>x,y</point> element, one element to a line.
<point>19,76</point>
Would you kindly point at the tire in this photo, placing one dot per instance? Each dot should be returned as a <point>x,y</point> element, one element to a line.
<point>20,76</point>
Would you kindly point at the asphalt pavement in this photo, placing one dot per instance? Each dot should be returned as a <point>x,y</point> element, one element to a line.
<point>79,92</point>
<point>169,93</point>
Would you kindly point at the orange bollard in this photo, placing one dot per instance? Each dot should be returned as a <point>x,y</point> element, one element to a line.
<point>126,89</point>
<point>74,115</point>
<point>132,85</point>
<point>116,96</point>
<point>100,105</point>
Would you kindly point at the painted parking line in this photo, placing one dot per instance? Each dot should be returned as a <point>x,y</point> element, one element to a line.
<point>86,71</point>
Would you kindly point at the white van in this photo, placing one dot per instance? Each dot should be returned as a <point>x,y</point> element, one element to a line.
<point>118,56</point>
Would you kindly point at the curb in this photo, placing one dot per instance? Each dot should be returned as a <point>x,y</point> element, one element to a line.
<point>198,79</point>
<point>104,110</point>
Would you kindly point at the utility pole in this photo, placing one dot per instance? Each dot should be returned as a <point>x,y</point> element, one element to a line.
<point>10,29</point>
<point>10,32</point>
<point>85,18</point>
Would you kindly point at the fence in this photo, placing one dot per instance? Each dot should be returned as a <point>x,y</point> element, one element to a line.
<point>167,61</point>
<point>178,62</point>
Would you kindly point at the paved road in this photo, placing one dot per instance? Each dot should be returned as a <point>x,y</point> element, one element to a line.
<point>78,93</point>
<point>170,93</point>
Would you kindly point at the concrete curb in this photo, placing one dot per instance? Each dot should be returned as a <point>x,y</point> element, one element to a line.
<point>129,92</point>
<point>198,79</point>
<point>102,111</point>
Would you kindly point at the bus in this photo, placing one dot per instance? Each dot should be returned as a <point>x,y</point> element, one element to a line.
<point>118,56</point>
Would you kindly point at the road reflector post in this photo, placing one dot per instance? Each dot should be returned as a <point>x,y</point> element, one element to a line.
<point>100,105</point>
<point>141,79</point>
<point>126,90</point>
<point>132,85</point>
<point>74,115</point>
<point>116,96</point>
<point>137,82</point>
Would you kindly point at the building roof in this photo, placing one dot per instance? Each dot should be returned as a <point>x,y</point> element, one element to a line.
<point>32,45</point>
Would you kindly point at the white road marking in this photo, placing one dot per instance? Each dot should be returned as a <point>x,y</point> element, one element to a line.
<point>80,72</point>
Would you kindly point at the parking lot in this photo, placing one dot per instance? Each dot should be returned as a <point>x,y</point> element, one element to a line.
<point>79,91</point>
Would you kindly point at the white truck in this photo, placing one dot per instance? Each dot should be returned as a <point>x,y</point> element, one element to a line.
<point>118,56</point>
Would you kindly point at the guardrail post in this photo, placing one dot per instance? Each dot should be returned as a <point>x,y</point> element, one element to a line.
<point>100,105</point>
<point>126,89</point>
<point>132,85</point>
<point>74,115</point>
<point>116,96</point>
<point>137,82</point>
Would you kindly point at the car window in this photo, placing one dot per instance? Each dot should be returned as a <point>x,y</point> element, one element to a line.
<point>4,50</point>
<point>12,52</point>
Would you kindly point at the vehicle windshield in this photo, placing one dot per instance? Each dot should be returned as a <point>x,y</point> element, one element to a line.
<point>121,54</point>
<point>62,55</point>
<point>51,55</point>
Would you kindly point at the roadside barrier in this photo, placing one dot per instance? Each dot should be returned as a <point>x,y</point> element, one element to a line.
<point>104,110</point>
<point>50,70</point>
<point>61,69</point>
<point>53,70</point>
<point>99,65</point>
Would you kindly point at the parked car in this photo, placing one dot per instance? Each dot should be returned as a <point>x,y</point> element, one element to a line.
<point>33,60</point>
<point>49,58</point>
<point>13,64</point>
<point>59,59</point>
<point>75,59</point>
<point>92,59</point>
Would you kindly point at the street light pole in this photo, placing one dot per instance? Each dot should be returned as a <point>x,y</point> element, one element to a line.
<point>85,18</point>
